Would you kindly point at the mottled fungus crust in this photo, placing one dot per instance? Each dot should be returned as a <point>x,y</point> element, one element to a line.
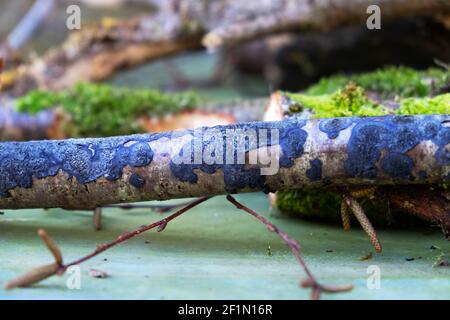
<point>236,175</point>
<point>378,149</point>
<point>137,181</point>
<point>315,171</point>
<point>332,127</point>
<point>85,159</point>
<point>372,137</point>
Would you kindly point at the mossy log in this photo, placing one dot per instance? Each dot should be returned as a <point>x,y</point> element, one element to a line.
<point>314,153</point>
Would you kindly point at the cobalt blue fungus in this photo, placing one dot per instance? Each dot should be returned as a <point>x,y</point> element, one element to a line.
<point>237,176</point>
<point>137,181</point>
<point>423,174</point>
<point>314,173</point>
<point>393,136</point>
<point>377,143</point>
<point>85,159</point>
<point>332,127</point>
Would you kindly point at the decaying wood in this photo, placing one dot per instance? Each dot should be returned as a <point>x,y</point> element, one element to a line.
<point>310,153</point>
<point>96,52</point>
<point>424,202</point>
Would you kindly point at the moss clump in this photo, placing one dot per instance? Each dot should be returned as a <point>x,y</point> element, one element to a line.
<point>337,97</point>
<point>309,204</point>
<point>102,110</point>
<point>388,82</point>
<point>435,105</point>
<point>352,101</point>
<point>349,101</point>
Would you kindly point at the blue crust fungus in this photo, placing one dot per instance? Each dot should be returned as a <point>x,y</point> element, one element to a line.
<point>236,175</point>
<point>153,172</point>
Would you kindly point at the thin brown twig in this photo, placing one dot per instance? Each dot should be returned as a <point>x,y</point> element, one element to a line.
<point>97,218</point>
<point>345,216</point>
<point>128,235</point>
<point>52,247</point>
<point>311,281</point>
<point>367,226</point>
<point>43,272</point>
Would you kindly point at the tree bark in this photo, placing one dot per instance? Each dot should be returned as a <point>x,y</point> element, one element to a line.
<point>310,153</point>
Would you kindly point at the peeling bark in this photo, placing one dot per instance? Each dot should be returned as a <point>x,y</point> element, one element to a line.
<point>88,173</point>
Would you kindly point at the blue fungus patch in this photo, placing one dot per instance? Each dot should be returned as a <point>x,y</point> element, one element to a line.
<point>137,181</point>
<point>332,127</point>
<point>376,143</point>
<point>397,165</point>
<point>135,154</point>
<point>393,137</point>
<point>315,171</point>
<point>292,141</point>
<point>237,175</point>
<point>423,174</point>
<point>85,159</point>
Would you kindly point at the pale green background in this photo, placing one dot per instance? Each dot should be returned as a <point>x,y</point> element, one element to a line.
<point>217,252</point>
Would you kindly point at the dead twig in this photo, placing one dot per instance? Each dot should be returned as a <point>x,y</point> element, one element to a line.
<point>97,218</point>
<point>43,272</point>
<point>367,226</point>
<point>311,281</point>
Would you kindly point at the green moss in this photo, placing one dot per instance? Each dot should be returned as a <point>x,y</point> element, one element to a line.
<point>352,101</point>
<point>435,105</point>
<point>388,82</point>
<point>102,110</point>
<point>309,204</point>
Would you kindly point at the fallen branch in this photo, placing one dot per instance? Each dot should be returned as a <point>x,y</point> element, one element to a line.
<point>294,15</point>
<point>310,153</point>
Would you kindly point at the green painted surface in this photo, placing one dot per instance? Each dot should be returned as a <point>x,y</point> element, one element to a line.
<point>217,252</point>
